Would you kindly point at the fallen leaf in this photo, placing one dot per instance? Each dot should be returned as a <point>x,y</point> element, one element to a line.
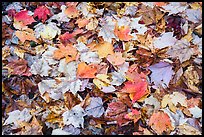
<point>182,50</point>
<point>27,34</point>
<point>123,33</point>
<point>191,78</point>
<point>95,108</point>
<point>71,11</point>
<point>82,22</point>
<point>186,129</point>
<point>116,59</point>
<point>104,49</point>
<point>160,122</point>
<point>93,23</point>
<point>22,19</point>
<point>107,29</point>
<point>19,67</point>
<point>17,115</point>
<point>196,112</point>
<point>133,115</point>
<point>161,74</point>
<point>42,12</point>
<point>69,52</point>
<point>165,40</point>
<point>86,71</point>
<point>70,100</point>
<point>74,116</point>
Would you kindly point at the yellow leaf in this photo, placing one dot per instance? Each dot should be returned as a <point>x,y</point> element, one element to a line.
<point>101,80</point>
<point>104,49</point>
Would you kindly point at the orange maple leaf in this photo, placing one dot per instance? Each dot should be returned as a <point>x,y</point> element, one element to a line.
<point>160,4</point>
<point>116,58</point>
<point>103,48</point>
<point>160,122</point>
<point>69,52</point>
<point>71,11</point>
<point>82,22</point>
<point>123,33</point>
<point>27,34</point>
<point>86,71</point>
<point>41,12</point>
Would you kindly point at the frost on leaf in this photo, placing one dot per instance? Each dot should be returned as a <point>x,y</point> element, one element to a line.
<point>194,16</point>
<point>160,122</point>
<point>196,112</point>
<point>174,8</point>
<point>95,108</point>
<point>55,89</point>
<point>165,40</point>
<point>161,74</point>
<point>107,29</point>
<point>74,116</point>
<point>182,50</point>
<point>68,69</point>
<point>40,67</point>
<point>46,31</point>
<point>117,78</point>
<point>18,116</point>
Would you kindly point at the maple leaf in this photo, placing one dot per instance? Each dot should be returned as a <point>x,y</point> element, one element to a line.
<point>69,37</point>
<point>57,87</point>
<point>17,115</point>
<point>141,28</point>
<point>174,7</point>
<point>22,19</point>
<point>95,108</point>
<point>161,74</point>
<point>40,67</point>
<point>69,52</point>
<point>19,67</point>
<point>70,100</point>
<point>182,50</point>
<point>46,31</point>
<point>123,33</point>
<point>104,49</point>
<point>165,40</point>
<point>27,34</point>
<point>71,11</point>
<point>194,16</point>
<point>160,122</point>
<point>117,111</point>
<point>74,116</point>
<point>68,69</point>
<point>107,29</point>
<point>82,22</point>
<point>42,12</point>
<point>116,58</point>
<point>134,114</point>
<point>117,78</point>
<point>196,112</point>
<point>86,71</point>
<point>93,23</point>
<point>137,86</point>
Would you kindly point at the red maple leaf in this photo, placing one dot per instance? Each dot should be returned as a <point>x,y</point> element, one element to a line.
<point>24,18</point>
<point>42,12</point>
<point>69,37</point>
<point>137,84</point>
